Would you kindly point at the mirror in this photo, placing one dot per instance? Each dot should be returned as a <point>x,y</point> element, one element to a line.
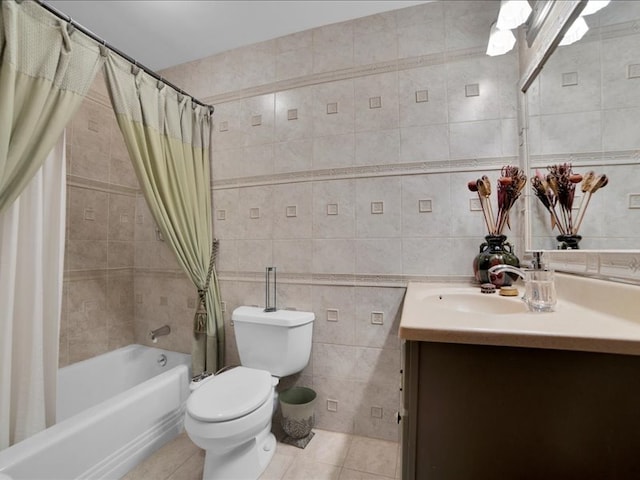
<point>583,108</point>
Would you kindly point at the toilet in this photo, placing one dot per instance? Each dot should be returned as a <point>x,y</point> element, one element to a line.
<point>229,414</point>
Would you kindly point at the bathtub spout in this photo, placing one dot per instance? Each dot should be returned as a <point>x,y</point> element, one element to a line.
<point>159,332</point>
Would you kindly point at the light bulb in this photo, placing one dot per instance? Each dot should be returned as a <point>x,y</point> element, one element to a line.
<point>513,13</point>
<point>500,41</point>
<point>593,6</point>
<point>575,32</point>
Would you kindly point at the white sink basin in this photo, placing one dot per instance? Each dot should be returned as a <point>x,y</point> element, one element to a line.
<point>475,303</point>
<point>591,315</point>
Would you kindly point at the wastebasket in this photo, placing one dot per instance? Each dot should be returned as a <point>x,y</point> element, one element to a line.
<point>298,416</point>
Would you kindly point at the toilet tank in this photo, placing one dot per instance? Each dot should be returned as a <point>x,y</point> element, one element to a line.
<point>279,342</point>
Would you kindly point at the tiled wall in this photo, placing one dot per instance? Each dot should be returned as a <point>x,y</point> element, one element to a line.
<point>583,109</point>
<point>97,314</point>
<point>120,279</point>
<point>342,156</point>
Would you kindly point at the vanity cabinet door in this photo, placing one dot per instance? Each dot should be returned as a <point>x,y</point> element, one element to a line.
<point>485,412</point>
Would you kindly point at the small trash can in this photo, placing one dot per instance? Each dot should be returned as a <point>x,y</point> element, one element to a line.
<point>298,416</point>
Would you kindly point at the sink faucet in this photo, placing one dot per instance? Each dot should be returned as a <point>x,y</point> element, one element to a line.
<point>539,286</point>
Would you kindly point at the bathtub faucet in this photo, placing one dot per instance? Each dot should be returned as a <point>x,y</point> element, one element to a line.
<point>159,332</point>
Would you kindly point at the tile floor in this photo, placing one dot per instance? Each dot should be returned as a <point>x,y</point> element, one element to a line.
<point>329,456</point>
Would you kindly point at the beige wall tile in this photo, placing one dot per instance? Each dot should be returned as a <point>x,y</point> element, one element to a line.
<point>334,213</point>
<point>334,308</point>
<point>122,217</point>
<point>374,305</point>
<point>382,195</point>
<point>292,211</point>
<point>294,114</point>
<point>294,63</point>
<point>378,148</point>
<point>333,151</point>
<point>88,214</point>
<point>334,256</point>
<point>333,47</point>
<point>431,112</point>
<point>342,396</point>
<point>327,167</point>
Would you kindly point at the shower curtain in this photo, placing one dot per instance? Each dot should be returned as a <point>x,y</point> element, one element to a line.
<point>46,70</point>
<point>32,234</point>
<point>167,137</point>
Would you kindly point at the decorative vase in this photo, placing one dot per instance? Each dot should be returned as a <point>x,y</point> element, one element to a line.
<point>568,242</point>
<point>495,251</point>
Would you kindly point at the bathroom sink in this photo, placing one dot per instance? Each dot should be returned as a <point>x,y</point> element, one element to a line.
<point>475,303</point>
<point>590,315</point>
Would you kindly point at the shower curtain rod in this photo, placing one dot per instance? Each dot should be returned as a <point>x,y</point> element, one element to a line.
<point>95,37</point>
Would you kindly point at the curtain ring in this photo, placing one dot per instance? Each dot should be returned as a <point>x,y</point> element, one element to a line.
<point>135,69</point>
<point>104,51</point>
<point>160,84</point>
<point>71,27</point>
<point>211,109</point>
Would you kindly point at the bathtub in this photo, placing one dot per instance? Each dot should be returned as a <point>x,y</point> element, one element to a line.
<point>112,411</point>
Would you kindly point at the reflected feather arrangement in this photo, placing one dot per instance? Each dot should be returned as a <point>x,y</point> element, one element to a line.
<point>556,191</point>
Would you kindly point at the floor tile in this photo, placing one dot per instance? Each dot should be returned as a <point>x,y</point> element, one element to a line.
<point>278,466</point>
<point>329,456</point>
<point>165,460</point>
<point>306,469</point>
<point>191,469</point>
<point>399,462</point>
<point>348,474</point>
<point>328,447</point>
<point>372,456</point>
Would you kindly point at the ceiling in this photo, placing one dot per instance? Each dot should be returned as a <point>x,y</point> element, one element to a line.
<point>163,33</point>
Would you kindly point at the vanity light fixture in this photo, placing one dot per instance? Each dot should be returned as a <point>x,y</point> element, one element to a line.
<point>575,32</point>
<point>513,13</point>
<point>500,41</point>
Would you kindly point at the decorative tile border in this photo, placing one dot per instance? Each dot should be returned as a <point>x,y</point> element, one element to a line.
<point>394,169</point>
<point>160,272</point>
<point>89,184</point>
<point>613,265</point>
<point>348,73</point>
<point>614,157</point>
<point>346,280</point>
<point>96,273</point>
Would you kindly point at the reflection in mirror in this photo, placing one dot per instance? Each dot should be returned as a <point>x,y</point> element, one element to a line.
<point>584,109</point>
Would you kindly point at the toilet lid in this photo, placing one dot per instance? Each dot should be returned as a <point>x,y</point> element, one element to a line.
<point>230,395</point>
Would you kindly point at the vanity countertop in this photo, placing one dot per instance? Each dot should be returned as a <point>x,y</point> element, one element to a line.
<point>591,315</point>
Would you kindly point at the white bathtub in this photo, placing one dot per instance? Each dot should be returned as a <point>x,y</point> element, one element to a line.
<point>113,411</point>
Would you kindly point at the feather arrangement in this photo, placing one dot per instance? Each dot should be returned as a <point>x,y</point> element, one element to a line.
<point>556,191</point>
<point>510,185</point>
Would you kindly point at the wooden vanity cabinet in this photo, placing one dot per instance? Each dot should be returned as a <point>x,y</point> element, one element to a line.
<point>475,412</point>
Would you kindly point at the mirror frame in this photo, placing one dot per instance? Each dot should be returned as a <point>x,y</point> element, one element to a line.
<point>543,31</point>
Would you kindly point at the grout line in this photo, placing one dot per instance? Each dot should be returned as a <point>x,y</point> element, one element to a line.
<point>182,464</point>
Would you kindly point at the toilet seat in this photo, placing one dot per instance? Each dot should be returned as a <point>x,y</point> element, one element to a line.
<point>230,395</point>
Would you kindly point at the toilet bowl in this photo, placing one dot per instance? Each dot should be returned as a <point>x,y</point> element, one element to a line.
<point>229,414</point>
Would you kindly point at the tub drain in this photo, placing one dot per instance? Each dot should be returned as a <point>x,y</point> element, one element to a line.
<point>162,360</point>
